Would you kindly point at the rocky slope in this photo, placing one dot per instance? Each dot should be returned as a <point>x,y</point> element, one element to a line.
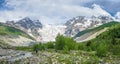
<point>81,23</point>
<point>73,57</point>
<point>15,40</point>
<point>89,34</point>
<point>9,56</point>
<point>27,25</point>
<point>41,33</point>
<point>14,37</point>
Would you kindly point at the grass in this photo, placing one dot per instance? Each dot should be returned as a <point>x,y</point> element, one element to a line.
<point>73,57</point>
<point>96,28</point>
<point>6,30</point>
<point>24,48</point>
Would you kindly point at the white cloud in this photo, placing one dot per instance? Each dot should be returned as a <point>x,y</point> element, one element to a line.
<point>48,11</point>
<point>117,16</point>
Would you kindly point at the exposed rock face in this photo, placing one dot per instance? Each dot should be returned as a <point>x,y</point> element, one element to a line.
<point>75,25</point>
<point>37,30</point>
<point>80,23</point>
<point>32,26</point>
<point>27,25</point>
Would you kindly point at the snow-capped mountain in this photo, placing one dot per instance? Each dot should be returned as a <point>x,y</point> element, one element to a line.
<point>27,25</point>
<point>95,16</point>
<point>48,32</point>
<point>34,28</point>
<point>80,23</point>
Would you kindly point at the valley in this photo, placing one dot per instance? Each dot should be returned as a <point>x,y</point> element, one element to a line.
<point>59,31</point>
<point>78,41</point>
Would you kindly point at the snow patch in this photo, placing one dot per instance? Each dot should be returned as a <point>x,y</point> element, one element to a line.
<point>49,32</point>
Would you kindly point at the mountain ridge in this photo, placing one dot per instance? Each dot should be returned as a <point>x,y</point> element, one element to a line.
<point>90,34</point>
<point>73,26</point>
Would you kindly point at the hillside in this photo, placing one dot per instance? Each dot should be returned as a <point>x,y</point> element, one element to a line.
<point>13,36</point>
<point>96,28</point>
<point>107,42</point>
<point>89,34</point>
<point>6,30</point>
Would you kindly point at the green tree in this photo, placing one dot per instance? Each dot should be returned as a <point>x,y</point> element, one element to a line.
<point>50,45</point>
<point>102,49</point>
<point>65,43</point>
<point>38,46</point>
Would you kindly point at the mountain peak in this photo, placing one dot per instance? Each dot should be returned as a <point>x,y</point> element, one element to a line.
<point>27,23</point>
<point>94,6</point>
<point>26,18</point>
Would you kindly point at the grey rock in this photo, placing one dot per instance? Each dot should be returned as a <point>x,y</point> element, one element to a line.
<point>81,23</point>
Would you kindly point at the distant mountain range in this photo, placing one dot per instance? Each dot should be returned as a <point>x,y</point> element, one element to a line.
<point>45,33</point>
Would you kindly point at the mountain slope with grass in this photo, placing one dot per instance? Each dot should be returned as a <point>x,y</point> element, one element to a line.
<point>15,37</point>
<point>93,32</point>
<point>107,42</point>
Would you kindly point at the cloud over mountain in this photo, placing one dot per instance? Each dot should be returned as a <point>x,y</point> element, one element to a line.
<point>48,11</point>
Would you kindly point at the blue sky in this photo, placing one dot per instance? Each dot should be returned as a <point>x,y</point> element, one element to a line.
<point>1,3</point>
<point>112,6</point>
<point>56,11</point>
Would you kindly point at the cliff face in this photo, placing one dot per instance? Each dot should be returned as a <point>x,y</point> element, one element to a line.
<point>81,23</point>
